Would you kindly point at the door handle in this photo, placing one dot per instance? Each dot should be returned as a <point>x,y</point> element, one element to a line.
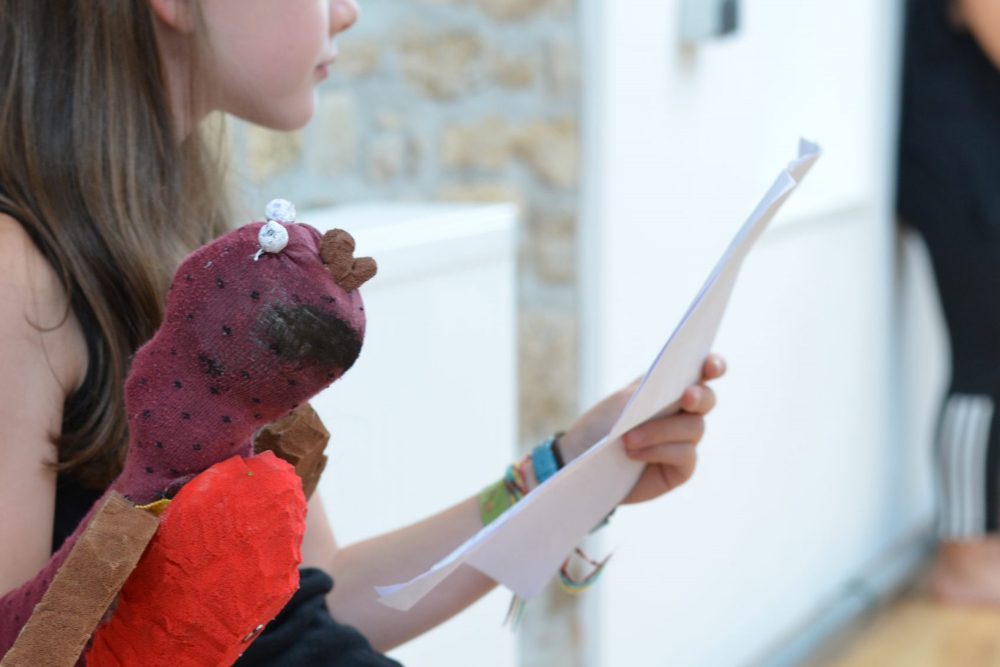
<point>702,20</point>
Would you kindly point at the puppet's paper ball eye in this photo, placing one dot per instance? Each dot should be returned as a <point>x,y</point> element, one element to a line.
<point>280,210</point>
<point>273,237</point>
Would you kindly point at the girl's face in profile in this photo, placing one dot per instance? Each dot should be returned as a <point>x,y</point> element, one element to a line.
<point>264,58</point>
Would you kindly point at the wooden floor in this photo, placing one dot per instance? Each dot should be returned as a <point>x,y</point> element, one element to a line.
<point>916,633</point>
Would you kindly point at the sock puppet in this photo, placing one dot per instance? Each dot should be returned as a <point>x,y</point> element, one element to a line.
<point>256,323</point>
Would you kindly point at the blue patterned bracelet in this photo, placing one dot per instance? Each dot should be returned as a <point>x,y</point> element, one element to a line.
<point>544,460</point>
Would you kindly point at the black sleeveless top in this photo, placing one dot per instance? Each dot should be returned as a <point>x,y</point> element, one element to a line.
<point>949,143</point>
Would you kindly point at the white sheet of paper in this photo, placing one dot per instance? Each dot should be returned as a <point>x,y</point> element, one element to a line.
<point>525,546</point>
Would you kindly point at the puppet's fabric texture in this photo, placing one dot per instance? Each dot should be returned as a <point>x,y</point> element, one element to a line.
<point>304,634</point>
<point>222,565</point>
<point>84,586</point>
<point>245,340</point>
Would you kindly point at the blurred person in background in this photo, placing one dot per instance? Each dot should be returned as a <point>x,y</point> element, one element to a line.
<point>949,191</point>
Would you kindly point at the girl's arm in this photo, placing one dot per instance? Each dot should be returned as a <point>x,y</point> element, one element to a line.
<point>396,556</point>
<point>36,371</point>
<point>666,445</point>
<point>983,20</point>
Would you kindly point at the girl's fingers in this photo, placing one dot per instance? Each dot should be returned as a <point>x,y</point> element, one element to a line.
<point>698,400</point>
<point>679,428</point>
<point>633,385</point>
<point>714,367</point>
<point>683,455</point>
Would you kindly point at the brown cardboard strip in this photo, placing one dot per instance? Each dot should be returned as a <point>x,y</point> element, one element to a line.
<point>299,439</point>
<point>84,587</point>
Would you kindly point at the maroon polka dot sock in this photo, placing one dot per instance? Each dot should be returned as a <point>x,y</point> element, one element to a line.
<point>244,343</point>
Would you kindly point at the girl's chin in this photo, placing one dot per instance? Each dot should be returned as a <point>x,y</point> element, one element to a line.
<point>288,115</point>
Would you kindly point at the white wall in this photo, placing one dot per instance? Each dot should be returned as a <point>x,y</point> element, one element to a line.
<point>427,415</point>
<point>804,479</point>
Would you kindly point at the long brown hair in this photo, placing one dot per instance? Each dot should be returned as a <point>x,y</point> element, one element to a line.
<point>91,167</point>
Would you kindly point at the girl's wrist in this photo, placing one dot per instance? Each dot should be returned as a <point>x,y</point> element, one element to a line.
<point>520,478</point>
<point>568,446</point>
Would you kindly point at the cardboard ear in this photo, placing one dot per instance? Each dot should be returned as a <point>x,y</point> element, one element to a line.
<point>337,251</point>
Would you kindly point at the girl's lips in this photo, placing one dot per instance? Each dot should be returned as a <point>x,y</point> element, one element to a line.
<point>330,56</point>
<point>327,58</point>
<point>323,69</point>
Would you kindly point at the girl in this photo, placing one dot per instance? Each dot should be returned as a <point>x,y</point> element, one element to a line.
<point>105,185</point>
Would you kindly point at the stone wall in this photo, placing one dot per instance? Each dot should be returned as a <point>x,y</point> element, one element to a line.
<point>462,100</point>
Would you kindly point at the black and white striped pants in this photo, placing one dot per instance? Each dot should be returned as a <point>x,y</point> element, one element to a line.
<point>967,469</point>
<point>966,259</point>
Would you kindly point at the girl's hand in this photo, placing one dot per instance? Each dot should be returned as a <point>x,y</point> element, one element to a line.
<point>667,445</point>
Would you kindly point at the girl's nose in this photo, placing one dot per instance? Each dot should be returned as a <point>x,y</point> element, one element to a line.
<point>343,14</point>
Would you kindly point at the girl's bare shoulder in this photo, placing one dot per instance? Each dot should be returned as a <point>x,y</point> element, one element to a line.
<point>42,356</point>
<point>34,313</point>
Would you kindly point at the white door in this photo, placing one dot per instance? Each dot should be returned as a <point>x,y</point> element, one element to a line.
<point>802,482</point>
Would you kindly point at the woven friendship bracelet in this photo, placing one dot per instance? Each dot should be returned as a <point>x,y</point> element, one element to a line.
<point>518,479</point>
<point>494,500</point>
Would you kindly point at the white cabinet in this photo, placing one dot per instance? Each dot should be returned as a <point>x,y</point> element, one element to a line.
<point>803,480</point>
<point>427,415</point>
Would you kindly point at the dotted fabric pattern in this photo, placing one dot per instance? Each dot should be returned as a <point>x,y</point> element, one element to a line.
<point>228,360</point>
